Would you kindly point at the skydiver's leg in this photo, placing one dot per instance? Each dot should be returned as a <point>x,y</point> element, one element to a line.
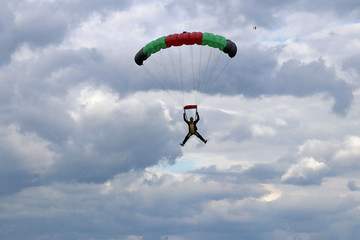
<point>185,139</point>
<point>199,136</point>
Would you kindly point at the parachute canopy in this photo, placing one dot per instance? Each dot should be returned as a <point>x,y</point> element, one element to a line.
<point>186,38</point>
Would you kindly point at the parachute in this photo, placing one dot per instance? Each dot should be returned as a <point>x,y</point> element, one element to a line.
<point>197,64</point>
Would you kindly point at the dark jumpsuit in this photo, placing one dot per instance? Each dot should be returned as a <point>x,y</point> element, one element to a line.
<point>192,129</point>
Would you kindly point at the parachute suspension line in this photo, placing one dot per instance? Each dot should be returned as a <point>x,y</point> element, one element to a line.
<point>162,65</point>
<point>204,75</point>
<point>159,69</point>
<point>196,58</point>
<point>214,61</point>
<point>168,76</point>
<point>161,84</point>
<point>174,74</point>
<point>181,76</point>
<point>193,71</point>
<point>199,76</point>
<point>165,71</point>
<point>210,87</point>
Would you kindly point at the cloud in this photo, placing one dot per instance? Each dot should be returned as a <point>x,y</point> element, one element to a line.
<point>349,8</point>
<point>44,23</point>
<point>166,205</point>
<point>153,205</point>
<point>31,152</point>
<point>102,135</point>
<point>352,186</point>
<point>257,72</point>
<point>90,145</point>
<point>261,130</point>
<point>352,63</point>
<point>7,41</point>
<point>307,171</point>
<point>24,158</point>
<point>349,153</point>
<point>112,135</point>
<point>302,79</point>
<point>320,159</point>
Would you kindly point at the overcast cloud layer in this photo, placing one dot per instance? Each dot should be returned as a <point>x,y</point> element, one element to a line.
<point>89,143</point>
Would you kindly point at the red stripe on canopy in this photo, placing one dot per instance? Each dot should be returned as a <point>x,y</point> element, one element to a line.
<point>186,38</point>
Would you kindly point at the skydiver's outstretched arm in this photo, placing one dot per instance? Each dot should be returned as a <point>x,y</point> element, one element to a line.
<point>197,117</point>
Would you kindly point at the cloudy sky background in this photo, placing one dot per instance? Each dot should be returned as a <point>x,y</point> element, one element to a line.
<point>89,145</point>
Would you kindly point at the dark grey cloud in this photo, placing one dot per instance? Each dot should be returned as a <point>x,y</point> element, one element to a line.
<point>32,29</point>
<point>353,186</point>
<point>259,173</point>
<point>39,87</point>
<point>287,170</point>
<point>153,206</point>
<point>264,14</point>
<point>42,23</point>
<point>38,100</point>
<point>35,97</point>
<point>42,87</point>
<point>160,214</point>
<point>8,40</point>
<point>306,79</point>
<point>269,13</point>
<point>256,72</point>
<point>14,180</point>
<point>121,144</point>
<point>57,148</point>
<point>352,63</point>
<point>228,15</point>
<point>345,9</point>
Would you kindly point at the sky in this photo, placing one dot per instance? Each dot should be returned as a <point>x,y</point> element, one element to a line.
<point>89,142</point>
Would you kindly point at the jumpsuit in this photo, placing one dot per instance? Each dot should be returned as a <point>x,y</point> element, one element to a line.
<point>192,129</point>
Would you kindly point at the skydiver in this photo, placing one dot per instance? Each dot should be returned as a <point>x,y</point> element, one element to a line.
<point>254,27</point>
<point>192,128</point>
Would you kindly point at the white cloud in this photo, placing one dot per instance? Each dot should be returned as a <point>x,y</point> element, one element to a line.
<point>306,170</point>
<point>26,150</point>
<point>262,130</point>
<point>318,149</point>
<point>349,154</point>
<point>273,195</point>
<point>98,104</point>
